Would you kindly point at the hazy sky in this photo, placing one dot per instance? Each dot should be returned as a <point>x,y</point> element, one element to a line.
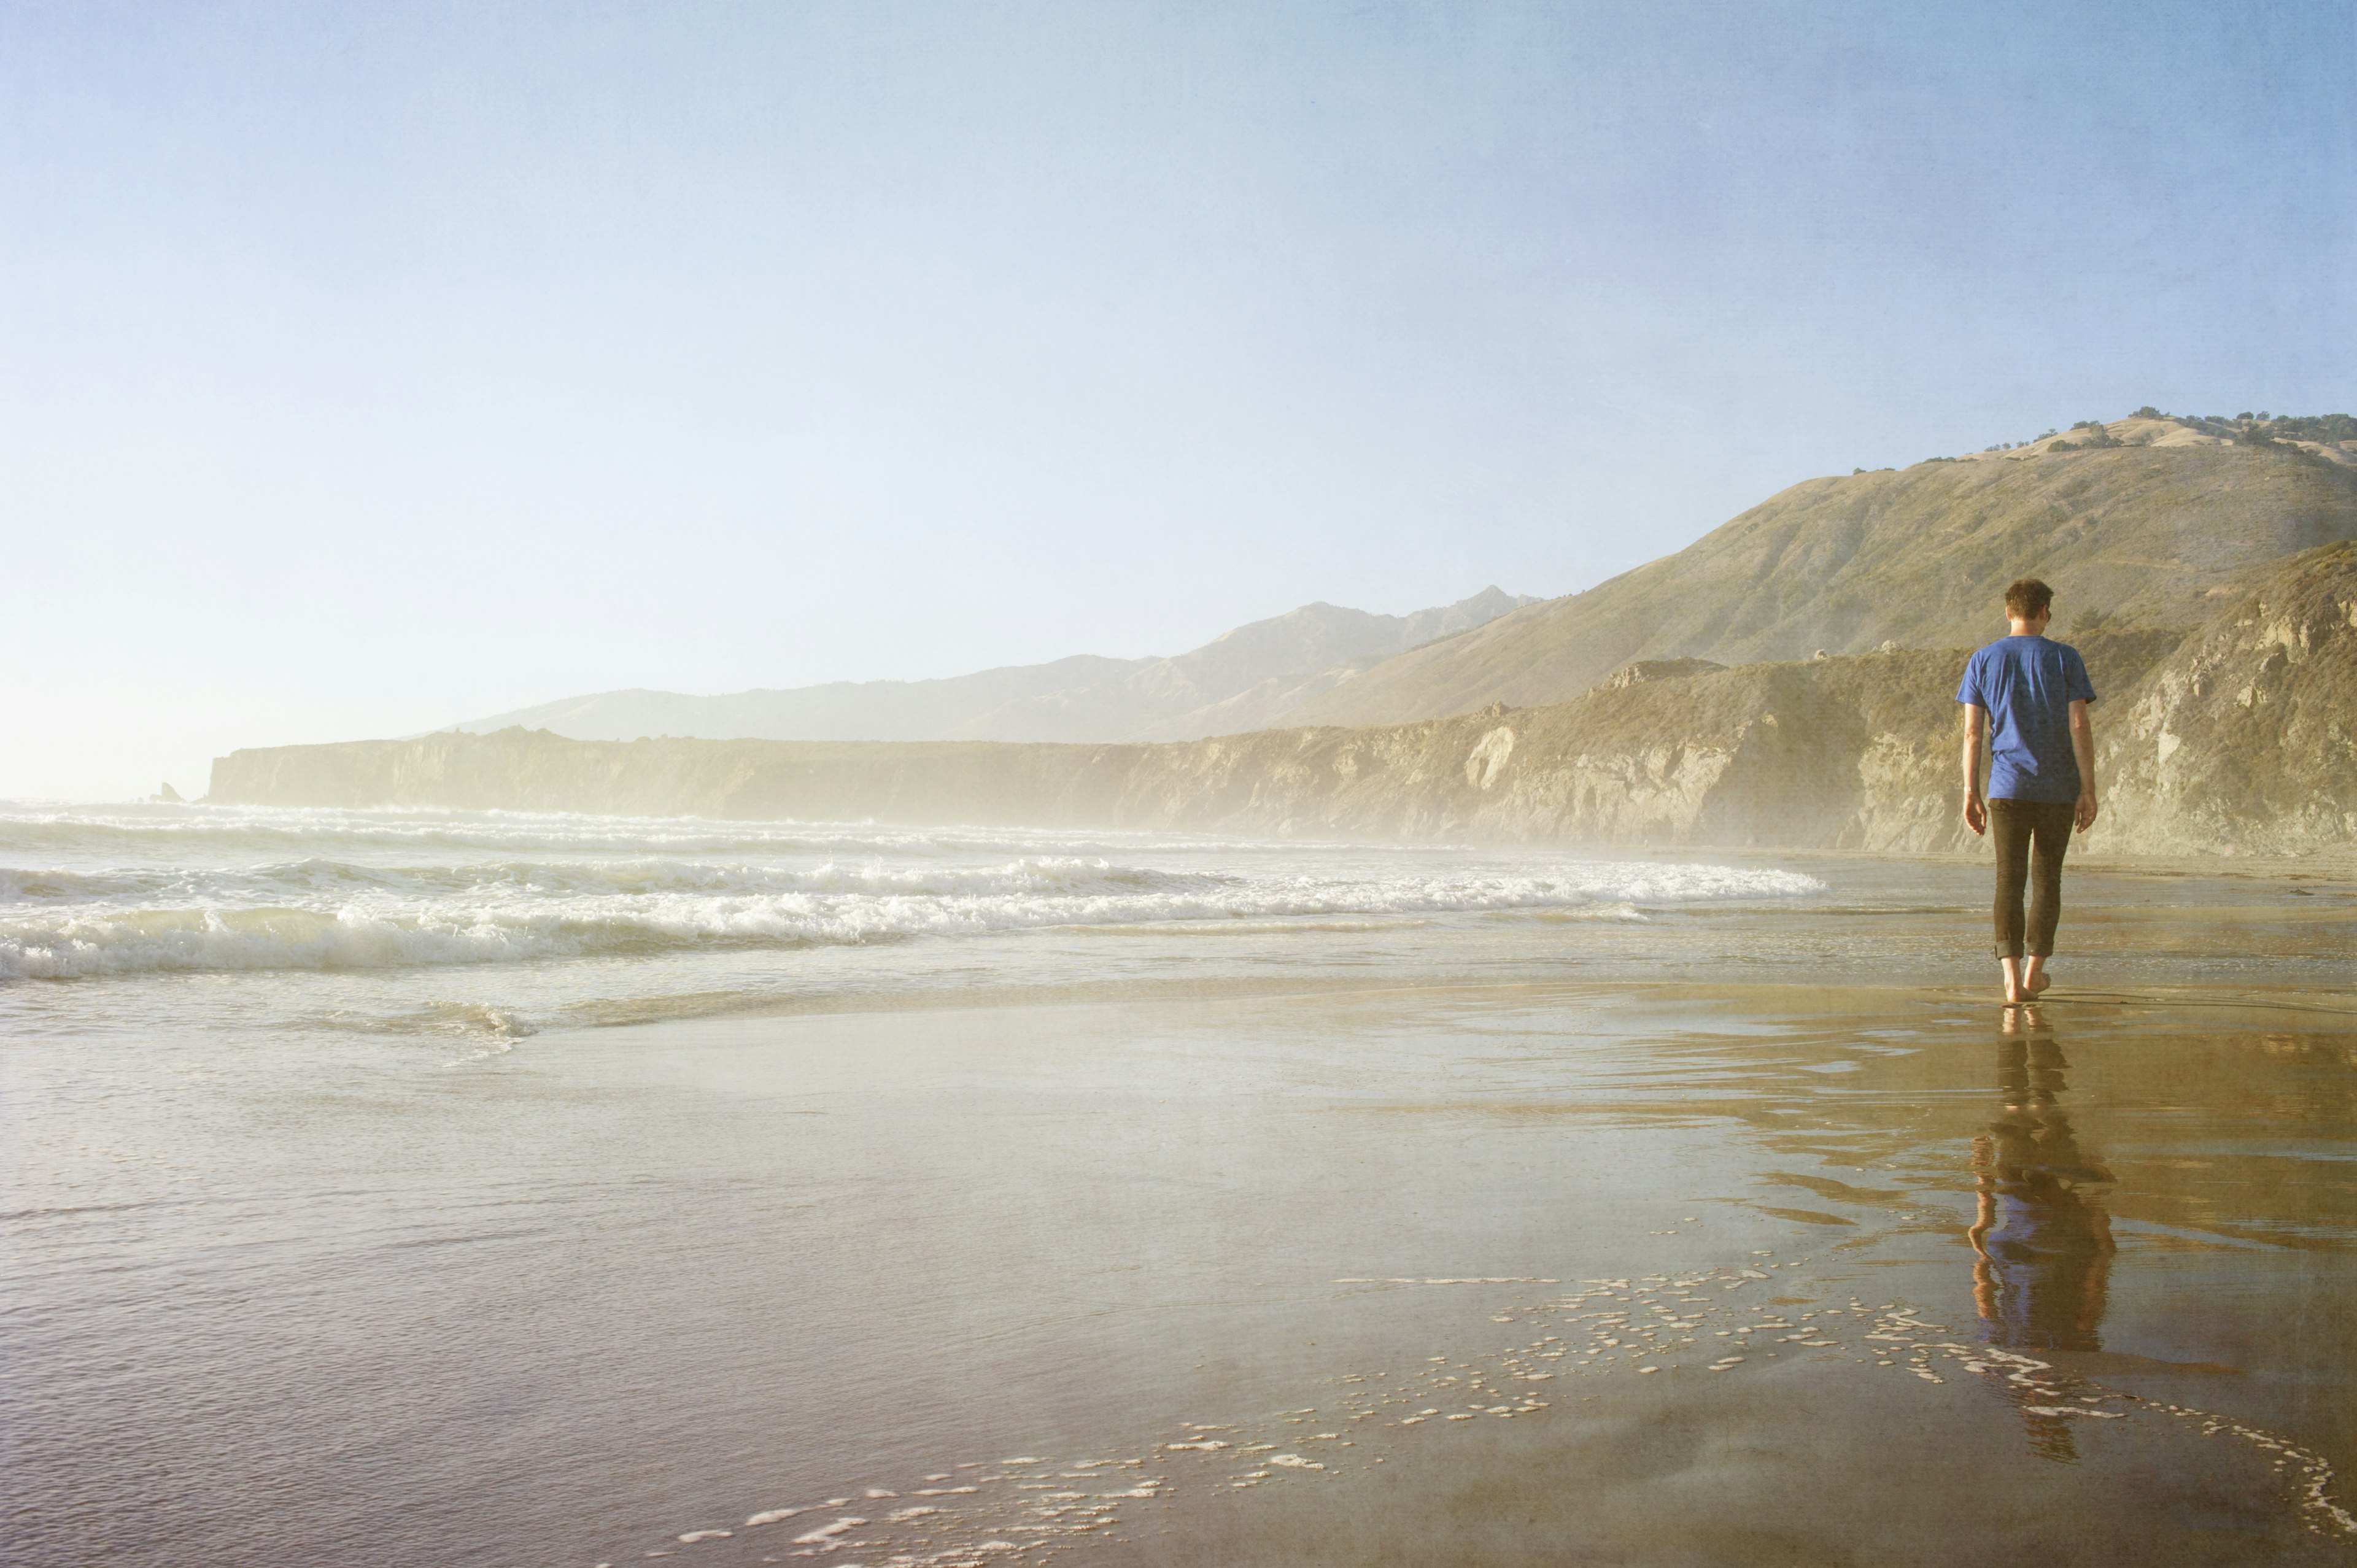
<point>366,367</point>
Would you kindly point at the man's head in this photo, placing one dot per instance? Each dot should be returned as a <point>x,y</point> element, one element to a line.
<point>2029,599</point>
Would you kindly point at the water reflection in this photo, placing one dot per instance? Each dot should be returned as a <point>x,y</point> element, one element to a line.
<point>2041,1237</point>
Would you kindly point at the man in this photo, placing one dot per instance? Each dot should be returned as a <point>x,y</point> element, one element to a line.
<point>2032,696</point>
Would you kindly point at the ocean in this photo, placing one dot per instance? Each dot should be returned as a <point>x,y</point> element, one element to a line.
<point>487,1188</point>
<point>501,924</point>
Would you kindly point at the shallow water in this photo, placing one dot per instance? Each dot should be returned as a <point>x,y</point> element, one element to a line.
<point>407,1259</point>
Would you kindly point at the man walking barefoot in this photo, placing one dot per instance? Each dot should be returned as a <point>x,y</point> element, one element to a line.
<point>2032,696</point>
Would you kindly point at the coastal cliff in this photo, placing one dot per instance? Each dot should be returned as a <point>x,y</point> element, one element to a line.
<point>2234,740</point>
<point>2246,737</point>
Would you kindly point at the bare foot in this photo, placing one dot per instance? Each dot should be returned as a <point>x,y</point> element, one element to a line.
<point>2034,984</point>
<point>2013,969</point>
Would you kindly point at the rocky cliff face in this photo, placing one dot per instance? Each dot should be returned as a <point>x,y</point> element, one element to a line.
<point>2245,737</point>
<point>2234,740</point>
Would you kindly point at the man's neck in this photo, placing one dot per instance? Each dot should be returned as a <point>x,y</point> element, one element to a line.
<point>2026,629</point>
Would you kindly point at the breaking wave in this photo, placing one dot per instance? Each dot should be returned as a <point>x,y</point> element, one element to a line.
<point>300,881</point>
<point>198,890</point>
<point>486,924</point>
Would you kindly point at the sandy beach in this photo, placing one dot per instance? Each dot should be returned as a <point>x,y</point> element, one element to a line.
<point>1739,1234</point>
<point>947,786</point>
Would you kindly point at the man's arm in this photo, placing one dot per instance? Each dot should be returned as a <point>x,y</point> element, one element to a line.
<point>2082,747</point>
<point>1975,811</point>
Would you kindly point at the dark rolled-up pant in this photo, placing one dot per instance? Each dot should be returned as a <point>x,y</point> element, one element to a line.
<point>2030,836</point>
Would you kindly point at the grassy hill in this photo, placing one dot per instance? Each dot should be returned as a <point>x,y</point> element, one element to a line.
<point>2146,523</point>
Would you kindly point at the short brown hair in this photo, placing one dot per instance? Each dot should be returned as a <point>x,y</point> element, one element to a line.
<point>2028,600</point>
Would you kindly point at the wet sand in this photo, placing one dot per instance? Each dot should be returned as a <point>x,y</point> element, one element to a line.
<point>1372,1270</point>
<point>1911,1287</point>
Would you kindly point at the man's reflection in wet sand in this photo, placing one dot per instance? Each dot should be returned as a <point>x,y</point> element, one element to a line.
<point>2042,1239</point>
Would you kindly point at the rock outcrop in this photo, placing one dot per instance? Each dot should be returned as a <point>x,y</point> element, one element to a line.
<point>2245,739</point>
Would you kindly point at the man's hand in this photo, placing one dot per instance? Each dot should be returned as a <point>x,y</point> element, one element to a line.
<point>1977,811</point>
<point>2083,751</point>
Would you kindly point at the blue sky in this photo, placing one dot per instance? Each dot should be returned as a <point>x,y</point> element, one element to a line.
<point>375,366</point>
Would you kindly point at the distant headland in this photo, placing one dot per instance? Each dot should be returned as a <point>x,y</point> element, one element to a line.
<point>1786,682</point>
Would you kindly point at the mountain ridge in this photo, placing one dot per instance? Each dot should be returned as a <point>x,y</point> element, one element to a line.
<point>1245,678</point>
<point>2143,523</point>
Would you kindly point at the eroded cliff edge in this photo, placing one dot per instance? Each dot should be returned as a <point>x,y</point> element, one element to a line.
<point>2235,739</point>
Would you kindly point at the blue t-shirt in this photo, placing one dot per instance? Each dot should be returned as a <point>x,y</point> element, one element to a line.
<point>2028,684</point>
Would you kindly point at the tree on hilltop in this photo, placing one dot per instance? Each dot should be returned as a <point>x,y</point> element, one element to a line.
<point>2317,427</point>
